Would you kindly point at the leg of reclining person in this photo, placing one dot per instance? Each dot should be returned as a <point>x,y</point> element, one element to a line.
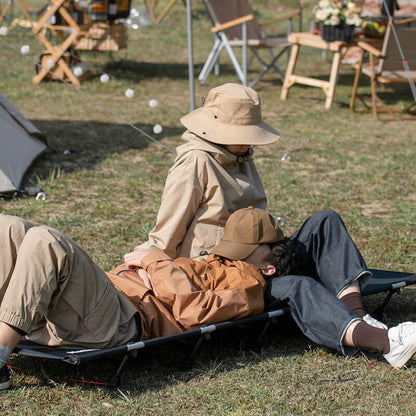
<point>318,313</point>
<point>54,283</point>
<point>12,232</point>
<point>326,320</point>
<point>328,253</point>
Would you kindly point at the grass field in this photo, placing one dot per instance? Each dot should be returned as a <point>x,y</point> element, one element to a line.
<point>106,190</point>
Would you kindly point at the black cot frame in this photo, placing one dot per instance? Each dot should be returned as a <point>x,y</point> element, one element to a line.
<point>382,281</point>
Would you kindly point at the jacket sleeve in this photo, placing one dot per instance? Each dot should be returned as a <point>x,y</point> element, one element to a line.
<point>192,307</point>
<point>182,196</point>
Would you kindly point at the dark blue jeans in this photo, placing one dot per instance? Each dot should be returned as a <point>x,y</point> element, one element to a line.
<point>330,262</point>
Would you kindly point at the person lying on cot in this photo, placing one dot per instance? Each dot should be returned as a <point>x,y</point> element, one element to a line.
<point>214,175</point>
<point>52,293</point>
<point>55,295</point>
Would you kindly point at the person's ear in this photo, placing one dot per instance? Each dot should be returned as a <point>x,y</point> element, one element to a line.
<point>268,270</point>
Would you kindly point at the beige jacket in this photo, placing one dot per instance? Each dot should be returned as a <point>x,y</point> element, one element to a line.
<point>204,186</point>
<point>190,293</point>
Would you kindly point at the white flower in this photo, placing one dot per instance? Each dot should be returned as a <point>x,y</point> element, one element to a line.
<point>352,18</point>
<point>323,4</point>
<point>322,15</point>
<point>351,6</point>
<point>334,20</point>
<point>335,11</point>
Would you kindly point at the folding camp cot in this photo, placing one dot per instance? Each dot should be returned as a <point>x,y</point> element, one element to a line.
<point>382,281</point>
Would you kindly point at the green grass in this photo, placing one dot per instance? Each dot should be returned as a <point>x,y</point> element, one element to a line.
<point>105,194</point>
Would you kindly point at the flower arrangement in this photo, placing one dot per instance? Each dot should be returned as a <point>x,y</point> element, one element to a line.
<point>333,13</point>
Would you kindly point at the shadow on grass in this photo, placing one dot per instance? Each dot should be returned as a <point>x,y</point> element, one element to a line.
<point>167,364</point>
<point>136,71</point>
<point>75,145</point>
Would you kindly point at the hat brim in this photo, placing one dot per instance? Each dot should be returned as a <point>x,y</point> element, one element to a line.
<point>233,250</point>
<point>204,126</point>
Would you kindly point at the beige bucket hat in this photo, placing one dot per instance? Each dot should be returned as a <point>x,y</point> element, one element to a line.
<point>245,230</point>
<point>231,115</point>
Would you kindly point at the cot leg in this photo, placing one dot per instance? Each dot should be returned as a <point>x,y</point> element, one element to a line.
<point>378,312</point>
<point>114,380</point>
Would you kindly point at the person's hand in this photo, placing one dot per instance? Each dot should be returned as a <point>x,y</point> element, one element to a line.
<point>146,280</point>
<point>134,258</point>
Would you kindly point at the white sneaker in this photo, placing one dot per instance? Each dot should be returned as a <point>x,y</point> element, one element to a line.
<point>374,322</point>
<point>402,344</point>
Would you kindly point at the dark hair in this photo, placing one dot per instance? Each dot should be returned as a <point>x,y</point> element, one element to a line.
<point>284,256</point>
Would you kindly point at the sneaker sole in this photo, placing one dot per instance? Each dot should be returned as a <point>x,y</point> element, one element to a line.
<point>404,357</point>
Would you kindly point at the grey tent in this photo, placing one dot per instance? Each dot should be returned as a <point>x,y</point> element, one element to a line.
<point>20,143</point>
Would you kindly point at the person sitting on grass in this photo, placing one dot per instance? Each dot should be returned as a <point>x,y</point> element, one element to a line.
<point>52,293</point>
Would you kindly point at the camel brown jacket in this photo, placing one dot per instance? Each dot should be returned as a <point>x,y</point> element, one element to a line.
<point>186,293</point>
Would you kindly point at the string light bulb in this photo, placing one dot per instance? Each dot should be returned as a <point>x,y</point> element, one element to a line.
<point>153,103</point>
<point>157,129</point>
<point>25,49</point>
<point>129,93</point>
<point>78,71</point>
<point>104,78</point>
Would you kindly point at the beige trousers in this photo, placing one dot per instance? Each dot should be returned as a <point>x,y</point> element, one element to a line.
<point>53,291</point>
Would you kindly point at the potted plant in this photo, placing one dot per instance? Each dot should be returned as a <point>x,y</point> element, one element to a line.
<point>338,19</point>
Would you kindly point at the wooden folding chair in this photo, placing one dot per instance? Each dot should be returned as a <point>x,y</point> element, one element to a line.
<point>233,20</point>
<point>56,60</point>
<point>386,66</point>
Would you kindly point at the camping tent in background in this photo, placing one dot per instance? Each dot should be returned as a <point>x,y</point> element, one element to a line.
<point>20,143</point>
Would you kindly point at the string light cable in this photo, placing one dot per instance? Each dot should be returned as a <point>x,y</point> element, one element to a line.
<point>104,78</point>
<point>93,100</point>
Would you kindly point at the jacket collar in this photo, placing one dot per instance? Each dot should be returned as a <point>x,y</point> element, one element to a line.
<point>218,152</point>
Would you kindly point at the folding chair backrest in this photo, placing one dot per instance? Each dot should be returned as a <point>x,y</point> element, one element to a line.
<point>393,59</point>
<point>222,11</point>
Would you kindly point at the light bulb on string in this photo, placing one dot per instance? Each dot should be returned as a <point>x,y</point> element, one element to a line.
<point>25,49</point>
<point>104,78</point>
<point>77,70</point>
<point>157,129</point>
<point>129,93</point>
<point>153,103</point>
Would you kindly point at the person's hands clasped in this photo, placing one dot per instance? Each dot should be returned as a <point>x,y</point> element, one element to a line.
<point>133,259</point>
